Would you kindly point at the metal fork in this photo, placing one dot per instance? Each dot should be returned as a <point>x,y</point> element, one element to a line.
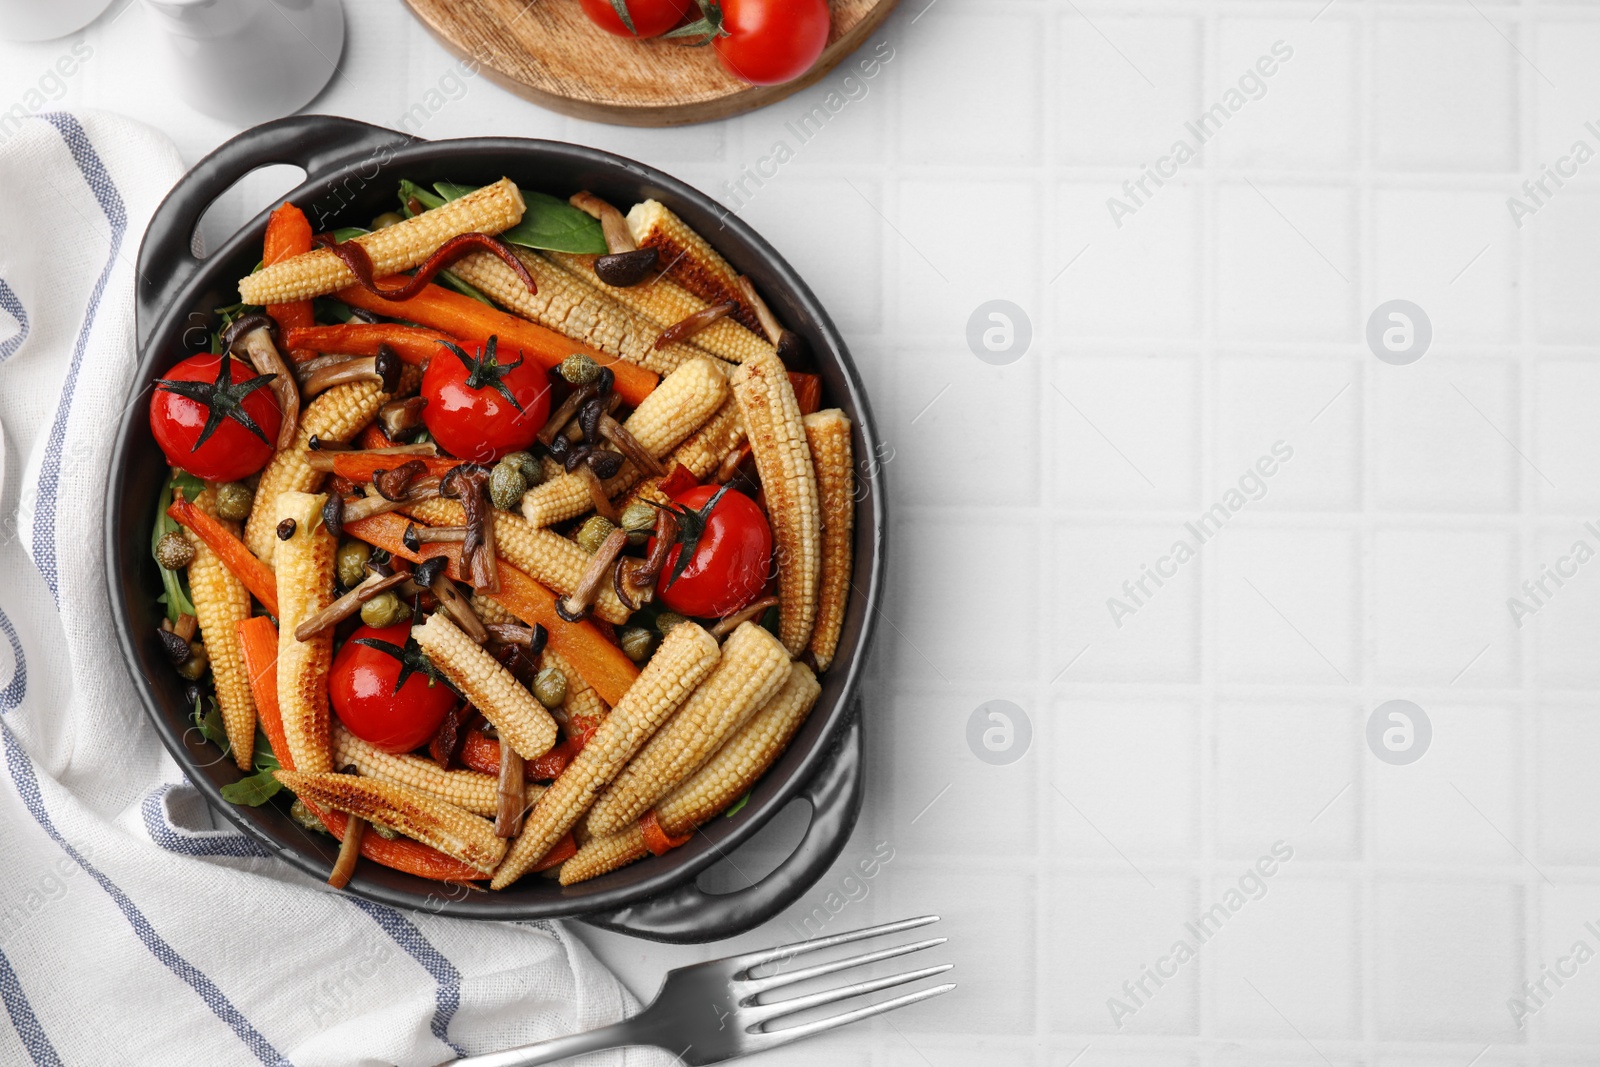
<point>711,1012</point>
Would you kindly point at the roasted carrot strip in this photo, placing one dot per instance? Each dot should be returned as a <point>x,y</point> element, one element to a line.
<point>288,234</point>
<point>600,662</point>
<point>259,639</point>
<point>476,322</point>
<point>374,437</point>
<point>482,753</point>
<point>359,467</point>
<point>559,853</point>
<point>414,344</point>
<point>256,576</point>
<point>807,390</point>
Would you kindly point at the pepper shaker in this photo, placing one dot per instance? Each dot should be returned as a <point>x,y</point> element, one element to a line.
<point>248,61</point>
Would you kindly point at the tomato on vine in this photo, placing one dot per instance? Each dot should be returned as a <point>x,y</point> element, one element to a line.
<point>480,408</point>
<point>723,557</point>
<point>637,18</point>
<point>763,42</point>
<point>385,691</point>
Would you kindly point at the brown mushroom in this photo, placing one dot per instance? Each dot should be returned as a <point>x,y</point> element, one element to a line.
<point>729,623</point>
<point>511,795</point>
<point>569,407</point>
<point>635,580</point>
<point>251,336</point>
<point>401,418</point>
<point>383,367</point>
<point>597,491</point>
<point>430,574</point>
<point>626,264</point>
<point>577,606</point>
<point>629,446</point>
<point>416,536</point>
<point>349,604</point>
<point>365,507</point>
<point>394,484</point>
<point>690,325</point>
<point>469,484</point>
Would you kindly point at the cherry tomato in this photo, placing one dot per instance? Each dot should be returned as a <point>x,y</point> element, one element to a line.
<point>732,559</point>
<point>215,417</point>
<point>769,42</point>
<point>651,18</point>
<point>361,688</point>
<point>484,403</point>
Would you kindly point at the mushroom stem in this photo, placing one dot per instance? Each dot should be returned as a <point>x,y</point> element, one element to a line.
<point>629,446</point>
<point>364,508</point>
<point>690,325</point>
<point>322,458</point>
<point>455,605</point>
<point>769,321</point>
<point>395,483</point>
<point>511,633</point>
<point>577,606</point>
<point>252,337</point>
<point>400,418</point>
<point>597,493</point>
<point>511,796</point>
<point>619,238</point>
<point>348,605</point>
<point>349,852</point>
<point>419,535</point>
<point>730,623</point>
<point>383,367</point>
<point>302,371</point>
<point>470,485</point>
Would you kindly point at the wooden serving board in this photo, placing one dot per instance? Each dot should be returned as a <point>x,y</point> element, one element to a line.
<point>549,52</point>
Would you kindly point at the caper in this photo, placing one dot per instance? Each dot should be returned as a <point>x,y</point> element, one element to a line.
<point>579,369</point>
<point>639,519</point>
<point>387,219</point>
<point>385,609</point>
<point>550,686</point>
<point>304,816</point>
<point>195,666</point>
<point>636,642</point>
<point>174,551</point>
<point>506,486</point>
<point>527,464</point>
<point>593,533</point>
<point>667,620</point>
<point>233,501</point>
<point>352,562</point>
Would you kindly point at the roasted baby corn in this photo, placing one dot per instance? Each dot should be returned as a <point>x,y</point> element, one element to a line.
<point>724,778</point>
<point>548,558</point>
<point>686,656</point>
<point>684,399</point>
<point>393,249</point>
<point>468,790</point>
<point>305,587</point>
<point>583,704</point>
<point>828,433</point>
<point>491,688</point>
<point>568,306</point>
<point>689,260</point>
<point>335,416</point>
<point>752,668</point>
<point>665,302</point>
<point>700,454</point>
<point>783,459</point>
<point>220,601</point>
<point>456,833</point>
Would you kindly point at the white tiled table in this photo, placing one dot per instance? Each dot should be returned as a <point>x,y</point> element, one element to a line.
<point>1225,314</point>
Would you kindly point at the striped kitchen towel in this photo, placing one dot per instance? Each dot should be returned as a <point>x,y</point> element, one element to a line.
<point>132,929</point>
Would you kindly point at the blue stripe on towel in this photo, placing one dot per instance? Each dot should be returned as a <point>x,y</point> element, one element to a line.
<point>33,1036</point>
<point>447,980</point>
<point>216,843</point>
<point>9,301</point>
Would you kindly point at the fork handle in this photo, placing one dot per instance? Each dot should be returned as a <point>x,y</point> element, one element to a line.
<point>558,1048</point>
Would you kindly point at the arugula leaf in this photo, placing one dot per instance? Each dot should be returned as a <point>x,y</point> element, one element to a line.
<point>738,806</point>
<point>410,190</point>
<point>209,723</point>
<point>174,596</point>
<point>345,233</point>
<point>547,223</point>
<point>253,791</point>
<point>263,759</point>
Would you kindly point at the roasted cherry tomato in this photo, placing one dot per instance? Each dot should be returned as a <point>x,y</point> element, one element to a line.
<point>379,687</point>
<point>482,405</point>
<point>650,18</point>
<point>215,417</point>
<point>768,42</point>
<point>730,546</point>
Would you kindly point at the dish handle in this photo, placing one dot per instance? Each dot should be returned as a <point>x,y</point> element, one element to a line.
<point>319,144</point>
<point>689,915</point>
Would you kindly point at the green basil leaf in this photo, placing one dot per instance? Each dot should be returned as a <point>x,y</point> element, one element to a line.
<point>252,791</point>
<point>548,223</point>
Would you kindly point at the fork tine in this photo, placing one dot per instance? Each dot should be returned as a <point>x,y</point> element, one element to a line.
<point>761,1013</point>
<point>766,1039</point>
<point>755,959</point>
<point>753,986</point>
